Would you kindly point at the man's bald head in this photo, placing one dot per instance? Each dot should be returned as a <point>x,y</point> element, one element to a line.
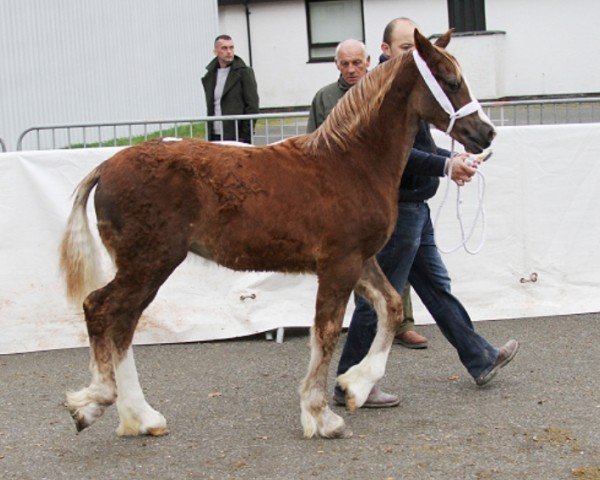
<point>398,37</point>
<point>352,60</point>
<point>353,46</point>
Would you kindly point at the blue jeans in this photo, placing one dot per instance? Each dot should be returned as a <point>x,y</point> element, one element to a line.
<point>411,254</point>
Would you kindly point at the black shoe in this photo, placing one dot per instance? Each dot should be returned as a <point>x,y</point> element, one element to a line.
<point>507,353</point>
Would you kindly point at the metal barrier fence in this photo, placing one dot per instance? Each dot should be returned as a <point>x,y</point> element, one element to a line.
<point>544,112</point>
<point>272,127</point>
<point>269,128</point>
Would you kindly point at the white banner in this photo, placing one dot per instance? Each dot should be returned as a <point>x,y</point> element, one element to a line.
<point>542,184</point>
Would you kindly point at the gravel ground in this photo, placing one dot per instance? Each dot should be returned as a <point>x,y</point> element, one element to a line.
<point>233,412</point>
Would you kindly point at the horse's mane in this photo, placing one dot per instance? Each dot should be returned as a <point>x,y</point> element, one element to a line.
<point>357,108</point>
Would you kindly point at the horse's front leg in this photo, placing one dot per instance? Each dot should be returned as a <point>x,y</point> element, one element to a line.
<point>360,379</point>
<point>332,297</point>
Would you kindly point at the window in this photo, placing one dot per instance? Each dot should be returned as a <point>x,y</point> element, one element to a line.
<point>467,15</point>
<point>330,22</point>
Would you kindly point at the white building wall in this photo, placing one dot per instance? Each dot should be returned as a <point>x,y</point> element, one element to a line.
<point>542,52</point>
<point>551,46</point>
<point>72,61</point>
<point>279,51</point>
<point>431,15</point>
<point>232,22</point>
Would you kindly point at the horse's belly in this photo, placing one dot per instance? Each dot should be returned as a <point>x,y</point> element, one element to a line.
<point>247,256</point>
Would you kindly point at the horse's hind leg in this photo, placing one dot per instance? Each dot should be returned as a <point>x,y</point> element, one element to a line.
<point>136,416</point>
<point>334,290</point>
<point>88,404</point>
<point>112,313</point>
<point>360,379</point>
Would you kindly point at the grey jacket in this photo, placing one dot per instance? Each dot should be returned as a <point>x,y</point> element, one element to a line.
<point>324,101</point>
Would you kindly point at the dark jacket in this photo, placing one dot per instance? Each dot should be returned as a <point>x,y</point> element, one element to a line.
<point>240,96</point>
<point>426,163</point>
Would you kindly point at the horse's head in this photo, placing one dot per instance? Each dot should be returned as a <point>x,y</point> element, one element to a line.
<point>444,97</point>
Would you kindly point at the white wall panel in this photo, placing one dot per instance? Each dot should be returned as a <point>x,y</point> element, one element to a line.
<point>70,61</point>
<point>551,46</point>
<point>279,51</point>
<point>232,22</point>
<point>547,48</point>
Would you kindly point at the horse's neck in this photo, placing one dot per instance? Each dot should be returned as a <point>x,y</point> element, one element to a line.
<point>373,128</point>
<point>391,134</point>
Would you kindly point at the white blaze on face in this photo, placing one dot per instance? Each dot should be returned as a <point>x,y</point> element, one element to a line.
<point>482,115</point>
<point>484,118</point>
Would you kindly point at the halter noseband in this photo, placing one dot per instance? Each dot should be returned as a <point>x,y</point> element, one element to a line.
<point>441,97</point>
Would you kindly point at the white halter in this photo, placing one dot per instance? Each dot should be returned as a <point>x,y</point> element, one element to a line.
<point>471,107</point>
<point>441,97</point>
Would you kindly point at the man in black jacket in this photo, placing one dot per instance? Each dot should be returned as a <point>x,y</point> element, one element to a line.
<point>411,255</point>
<point>230,89</point>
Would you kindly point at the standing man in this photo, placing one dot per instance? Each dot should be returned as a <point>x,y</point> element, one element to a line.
<point>230,89</point>
<point>411,254</point>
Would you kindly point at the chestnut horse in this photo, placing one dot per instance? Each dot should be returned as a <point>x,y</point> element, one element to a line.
<point>324,203</point>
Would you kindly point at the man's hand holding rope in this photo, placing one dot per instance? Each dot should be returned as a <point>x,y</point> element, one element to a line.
<point>460,170</point>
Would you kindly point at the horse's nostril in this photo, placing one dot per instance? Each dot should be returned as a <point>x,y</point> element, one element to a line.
<point>491,134</point>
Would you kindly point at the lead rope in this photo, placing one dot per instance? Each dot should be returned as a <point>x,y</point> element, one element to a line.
<point>480,213</point>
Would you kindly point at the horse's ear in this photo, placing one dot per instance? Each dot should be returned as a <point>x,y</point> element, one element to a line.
<point>423,46</point>
<point>444,40</point>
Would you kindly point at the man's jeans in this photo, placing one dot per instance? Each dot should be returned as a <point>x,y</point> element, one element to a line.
<point>411,254</point>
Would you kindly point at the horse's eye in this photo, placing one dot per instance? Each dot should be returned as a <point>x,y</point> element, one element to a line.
<point>453,85</point>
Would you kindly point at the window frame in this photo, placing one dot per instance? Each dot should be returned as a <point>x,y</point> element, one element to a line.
<point>467,16</point>
<point>312,45</point>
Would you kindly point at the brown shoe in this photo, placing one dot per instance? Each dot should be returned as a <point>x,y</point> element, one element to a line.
<point>507,353</point>
<point>411,339</point>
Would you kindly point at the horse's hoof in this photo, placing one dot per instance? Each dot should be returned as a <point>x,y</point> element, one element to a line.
<point>342,432</point>
<point>346,433</point>
<point>133,430</point>
<point>158,431</point>
<point>80,422</point>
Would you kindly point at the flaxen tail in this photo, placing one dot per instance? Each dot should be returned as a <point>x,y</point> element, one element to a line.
<point>79,260</point>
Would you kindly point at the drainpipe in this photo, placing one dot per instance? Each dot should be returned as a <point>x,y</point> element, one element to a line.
<point>246,2</point>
